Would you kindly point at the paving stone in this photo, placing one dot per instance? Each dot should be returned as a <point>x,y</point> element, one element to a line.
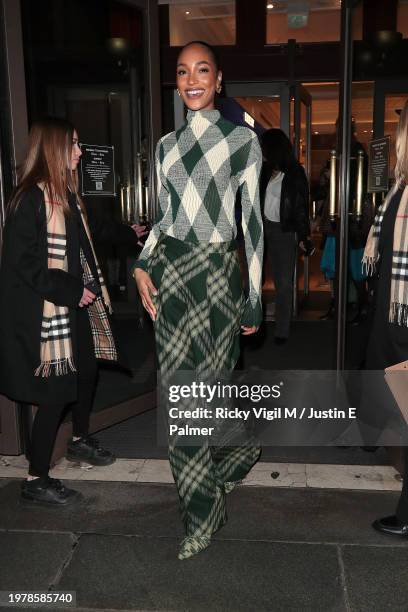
<point>31,560</point>
<point>4,482</point>
<point>140,573</point>
<point>107,507</point>
<point>376,577</point>
<point>312,515</point>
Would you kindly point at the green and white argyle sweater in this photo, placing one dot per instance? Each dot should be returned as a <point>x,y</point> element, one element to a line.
<point>199,168</point>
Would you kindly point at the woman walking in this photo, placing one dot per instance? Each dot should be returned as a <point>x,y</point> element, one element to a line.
<point>386,254</point>
<point>53,305</point>
<point>285,197</point>
<point>189,278</point>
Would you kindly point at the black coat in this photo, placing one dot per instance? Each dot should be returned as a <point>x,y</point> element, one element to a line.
<point>25,282</point>
<point>294,203</point>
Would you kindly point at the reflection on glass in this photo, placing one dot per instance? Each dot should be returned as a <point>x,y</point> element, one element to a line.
<point>209,20</point>
<point>402,18</point>
<point>307,21</point>
<point>303,149</point>
<point>393,104</point>
<point>265,110</point>
<point>362,108</point>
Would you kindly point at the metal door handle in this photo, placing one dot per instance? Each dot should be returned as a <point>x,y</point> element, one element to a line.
<point>333,185</point>
<point>359,184</point>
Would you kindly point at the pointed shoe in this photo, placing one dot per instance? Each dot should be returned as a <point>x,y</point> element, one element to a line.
<point>191,545</point>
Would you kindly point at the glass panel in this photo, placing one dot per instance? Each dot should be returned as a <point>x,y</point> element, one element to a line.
<point>402,18</point>
<point>303,136</point>
<point>307,21</point>
<point>393,104</point>
<point>209,20</point>
<point>292,120</point>
<point>362,110</point>
<point>325,110</point>
<point>264,110</point>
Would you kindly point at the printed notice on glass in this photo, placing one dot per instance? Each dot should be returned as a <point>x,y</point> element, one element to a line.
<point>378,164</point>
<point>98,170</point>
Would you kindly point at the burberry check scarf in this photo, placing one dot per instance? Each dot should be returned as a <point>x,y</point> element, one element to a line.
<point>56,343</point>
<point>398,312</point>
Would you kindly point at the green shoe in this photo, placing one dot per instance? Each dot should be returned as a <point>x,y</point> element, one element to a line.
<point>191,545</point>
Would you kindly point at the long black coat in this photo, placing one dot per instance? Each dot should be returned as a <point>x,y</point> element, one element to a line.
<point>25,282</point>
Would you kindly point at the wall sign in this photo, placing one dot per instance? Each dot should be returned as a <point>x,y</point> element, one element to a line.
<point>98,170</point>
<point>378,164</point>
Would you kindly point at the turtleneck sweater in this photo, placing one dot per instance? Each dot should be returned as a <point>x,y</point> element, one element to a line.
<point>200,168</point>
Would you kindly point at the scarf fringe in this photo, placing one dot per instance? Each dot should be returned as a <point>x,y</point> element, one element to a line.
<point>58,367</point>
<point>399,314</point>
<point>369,264</point>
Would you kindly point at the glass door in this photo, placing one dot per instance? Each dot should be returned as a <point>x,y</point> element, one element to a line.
<point>301,124</point>
<point>301,134</point>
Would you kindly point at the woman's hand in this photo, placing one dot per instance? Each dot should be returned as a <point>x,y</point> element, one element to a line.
<point>247,331</point>
<point>146,290</point>
<point>87,298</point>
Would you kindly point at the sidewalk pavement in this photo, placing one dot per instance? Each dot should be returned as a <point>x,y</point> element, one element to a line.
<point>283,549</point>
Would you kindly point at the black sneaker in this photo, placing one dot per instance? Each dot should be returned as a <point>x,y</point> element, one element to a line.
<point>88,450</point>
<point>48,492</point>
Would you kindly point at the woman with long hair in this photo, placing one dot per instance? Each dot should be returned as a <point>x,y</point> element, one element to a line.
<point>285,198</point>
<point>189,278</point>
<point>386,256</point>
<point>53,305</point>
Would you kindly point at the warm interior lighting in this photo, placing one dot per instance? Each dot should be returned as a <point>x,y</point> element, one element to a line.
<point>269,6</point>
<point>187,12</point>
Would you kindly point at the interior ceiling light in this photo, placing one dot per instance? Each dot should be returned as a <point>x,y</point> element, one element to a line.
<point>187,12</point>
<point>269,6</point>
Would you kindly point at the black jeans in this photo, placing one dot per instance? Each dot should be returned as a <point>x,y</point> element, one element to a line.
<point>48,416</point>
<point>281,252</point>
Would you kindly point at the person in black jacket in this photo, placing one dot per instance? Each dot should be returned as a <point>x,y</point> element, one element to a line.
<point>285,196</point>
<point>54,305</point>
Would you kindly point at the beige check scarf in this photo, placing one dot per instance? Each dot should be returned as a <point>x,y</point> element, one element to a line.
<point>398,312</point>
<point>56,341</point>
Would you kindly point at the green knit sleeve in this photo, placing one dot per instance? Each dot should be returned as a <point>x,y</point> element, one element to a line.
<point>253,230</point>
<point>163,199</point>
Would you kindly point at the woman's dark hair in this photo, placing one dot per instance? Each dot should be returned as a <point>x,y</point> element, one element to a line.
<point>209,48</point>
<point>277,150</point>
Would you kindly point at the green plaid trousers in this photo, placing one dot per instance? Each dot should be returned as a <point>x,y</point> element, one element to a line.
<point>199,308</point>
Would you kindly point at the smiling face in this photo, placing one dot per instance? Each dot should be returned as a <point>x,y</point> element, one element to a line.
<point>76,152</point>
<point>197,77</point>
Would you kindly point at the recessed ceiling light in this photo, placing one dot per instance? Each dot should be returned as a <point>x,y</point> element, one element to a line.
<point>259,99</point>
<point>269,6</point>
<point>187,12</point>
<point>316,132</point>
